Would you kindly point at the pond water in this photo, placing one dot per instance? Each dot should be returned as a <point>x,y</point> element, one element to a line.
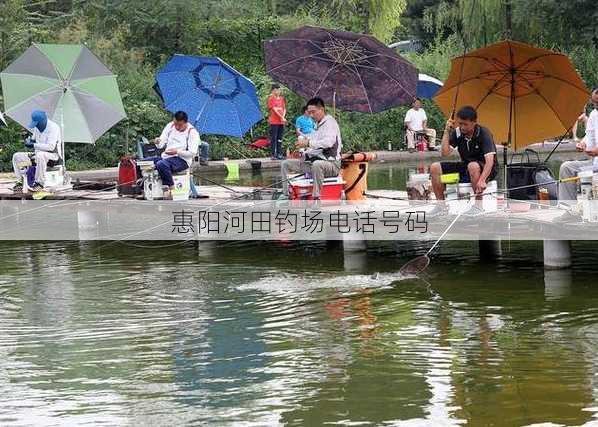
<point>296,334</point>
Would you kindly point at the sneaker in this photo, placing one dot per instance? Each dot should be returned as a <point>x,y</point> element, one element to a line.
<point>17,188</point>
<point>439,209</point>
<point>203,162</point>
<point>473,211</point>
<point>280,157</point>
<point>37,187</point>
<point>412,150</point>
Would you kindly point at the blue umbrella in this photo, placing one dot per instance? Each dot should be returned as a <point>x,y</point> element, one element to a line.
<point>217,98</point>
<point>427,86</point>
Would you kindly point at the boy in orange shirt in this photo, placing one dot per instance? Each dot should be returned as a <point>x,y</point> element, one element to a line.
<point>277,119</point>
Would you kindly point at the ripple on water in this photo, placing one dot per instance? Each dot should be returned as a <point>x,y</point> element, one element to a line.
<point>136,336</point>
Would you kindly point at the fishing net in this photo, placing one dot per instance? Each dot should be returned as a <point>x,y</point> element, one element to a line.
<point>415,266</point>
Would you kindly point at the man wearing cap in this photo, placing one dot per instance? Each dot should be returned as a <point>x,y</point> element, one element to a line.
<point>45,141</point>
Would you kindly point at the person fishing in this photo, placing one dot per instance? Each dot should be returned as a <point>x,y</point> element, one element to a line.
<point>322,155</point>
<point>570,169</point>
<point>45,140</point>
<point>181,142</point>
<point>477,150</point>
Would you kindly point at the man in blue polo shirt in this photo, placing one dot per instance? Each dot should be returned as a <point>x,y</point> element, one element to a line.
<point>477,150</point>
<point>304,124</point>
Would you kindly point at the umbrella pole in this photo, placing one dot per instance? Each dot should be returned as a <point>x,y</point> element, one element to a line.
<point>334,103</point>
<point>62,144</point>
<point>511,107</point>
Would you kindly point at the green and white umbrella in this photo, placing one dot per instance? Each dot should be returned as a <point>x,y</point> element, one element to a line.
<point>70,83</point>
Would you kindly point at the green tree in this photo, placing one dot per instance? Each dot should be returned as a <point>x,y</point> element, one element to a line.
<point>385,18</point>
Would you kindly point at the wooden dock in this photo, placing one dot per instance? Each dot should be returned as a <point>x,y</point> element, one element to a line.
<point>557,252</point>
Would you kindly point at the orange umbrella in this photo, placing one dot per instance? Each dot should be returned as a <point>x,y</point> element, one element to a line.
<point>523,94</point>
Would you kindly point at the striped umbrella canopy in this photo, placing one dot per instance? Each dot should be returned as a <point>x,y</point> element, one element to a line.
<point>217,98</point>
<point>70,83</point>
<point>2,121</point>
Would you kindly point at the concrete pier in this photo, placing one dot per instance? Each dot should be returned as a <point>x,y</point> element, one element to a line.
<point>490,249</point>
<point>353,242</point>
<point>88,222</point>
<point>557,254</point>
<point>557,284</point>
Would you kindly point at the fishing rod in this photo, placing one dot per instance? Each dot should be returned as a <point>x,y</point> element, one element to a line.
<point>498,191</point>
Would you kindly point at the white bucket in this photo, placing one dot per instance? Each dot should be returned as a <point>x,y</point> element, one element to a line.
<point>419,177</point>
<point>586,175</point>
<point>451,192</point>
<point>182,186</point>
<point>53,178</point>
<point>585,183</point>
<point>152,187</point>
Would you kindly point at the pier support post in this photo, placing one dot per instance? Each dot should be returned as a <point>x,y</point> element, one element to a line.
<point>354,253</point>
<point>490,249</point>
<point>557,254</point>
<point>354,243</point>
<point>88,223</point>
<point>557,283</point>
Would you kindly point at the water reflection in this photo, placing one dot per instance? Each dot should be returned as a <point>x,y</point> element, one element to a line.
<point>267,334</point>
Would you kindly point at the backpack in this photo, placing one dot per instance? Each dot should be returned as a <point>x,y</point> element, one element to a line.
<point>530,174</point>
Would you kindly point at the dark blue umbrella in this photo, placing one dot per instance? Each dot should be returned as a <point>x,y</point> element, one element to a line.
<point>427,86</point>
<point>217,98</point>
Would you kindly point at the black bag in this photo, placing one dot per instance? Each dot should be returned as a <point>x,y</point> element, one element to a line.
<point>150,150</point>
<point>528,173</point>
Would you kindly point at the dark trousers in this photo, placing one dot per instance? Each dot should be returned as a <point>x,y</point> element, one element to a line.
<point>276,132</point>
<point>166,167</point>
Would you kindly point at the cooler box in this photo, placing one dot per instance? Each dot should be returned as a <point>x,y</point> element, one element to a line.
<point>301,189</point>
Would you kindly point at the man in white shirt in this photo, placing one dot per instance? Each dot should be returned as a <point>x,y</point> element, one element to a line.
<point>322,156</point>
<point>568,190</point>
<point>45,140</point>
<point>181,141</point>
<point>416,120</point>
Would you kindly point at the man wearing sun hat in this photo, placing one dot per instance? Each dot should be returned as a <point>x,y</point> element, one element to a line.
<point>45,141</point>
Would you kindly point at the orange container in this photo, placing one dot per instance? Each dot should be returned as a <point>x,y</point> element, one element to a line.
<point>354,170</point>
